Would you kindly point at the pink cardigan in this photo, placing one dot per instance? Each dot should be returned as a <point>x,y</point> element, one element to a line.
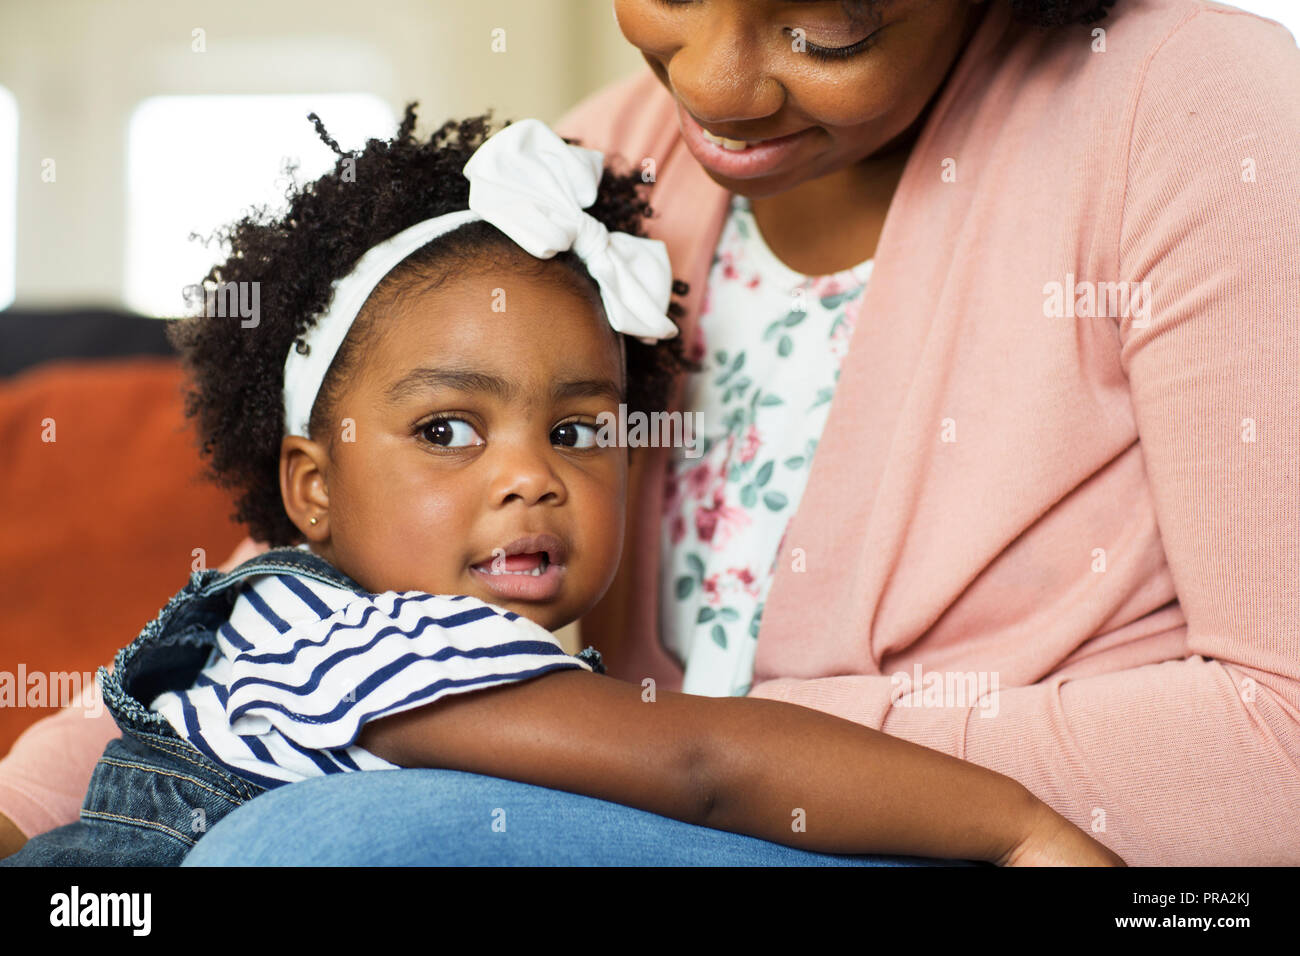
<point>1097,517</point>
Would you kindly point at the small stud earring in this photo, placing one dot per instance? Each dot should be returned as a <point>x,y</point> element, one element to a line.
<point>314,520</point>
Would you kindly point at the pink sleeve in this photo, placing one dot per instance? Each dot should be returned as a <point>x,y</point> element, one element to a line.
<point>43,779</point>
<point>1194,761</point>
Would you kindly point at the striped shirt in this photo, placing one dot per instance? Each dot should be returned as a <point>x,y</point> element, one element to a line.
<point>301,665</point>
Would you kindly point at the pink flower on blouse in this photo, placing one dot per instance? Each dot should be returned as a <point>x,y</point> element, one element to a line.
<point>699,479</point>
<point>751,446</point>
<point>717,523</point>
<point>843,333</point>
<point>746,579</point>
<point>823,286</point>
<point>677,530</point>
<point>728,264</point>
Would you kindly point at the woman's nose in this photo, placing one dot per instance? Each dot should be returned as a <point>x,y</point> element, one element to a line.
<point>720,75</point>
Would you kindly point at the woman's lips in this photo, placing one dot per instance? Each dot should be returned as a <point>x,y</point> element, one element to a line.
<point>755,160</point>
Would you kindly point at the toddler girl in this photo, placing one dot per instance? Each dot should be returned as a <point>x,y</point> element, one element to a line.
<point>416,415</point>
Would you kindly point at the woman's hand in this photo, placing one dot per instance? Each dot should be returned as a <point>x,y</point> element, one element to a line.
<point>248,548</point>
<point>12,839</point>
<point>1052,840</point>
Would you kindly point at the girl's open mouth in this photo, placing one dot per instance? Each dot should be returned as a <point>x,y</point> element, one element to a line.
<point>525,577</point>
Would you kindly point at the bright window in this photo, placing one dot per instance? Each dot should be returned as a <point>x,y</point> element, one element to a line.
<point>196,163</point>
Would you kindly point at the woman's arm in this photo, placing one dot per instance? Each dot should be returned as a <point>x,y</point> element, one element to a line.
<point>1192,762</point>
<point>44,777</point>
<point>785,774</point>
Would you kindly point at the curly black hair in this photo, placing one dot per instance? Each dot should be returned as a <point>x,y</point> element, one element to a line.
<point>236,373</point>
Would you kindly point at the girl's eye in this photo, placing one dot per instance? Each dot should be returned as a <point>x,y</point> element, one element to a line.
<point>569,435</point>
<point>443,432</point>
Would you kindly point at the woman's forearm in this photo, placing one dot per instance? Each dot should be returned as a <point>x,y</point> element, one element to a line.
<point>803,778</point>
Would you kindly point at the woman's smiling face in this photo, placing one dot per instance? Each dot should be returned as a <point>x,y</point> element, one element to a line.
<point>471,428</point>
<point>751,70</point>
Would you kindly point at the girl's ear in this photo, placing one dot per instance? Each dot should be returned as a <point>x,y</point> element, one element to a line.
<point>304,488</point>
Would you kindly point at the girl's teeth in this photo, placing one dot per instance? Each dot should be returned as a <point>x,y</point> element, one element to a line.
<point>535,572</point>
<point>732,144</point>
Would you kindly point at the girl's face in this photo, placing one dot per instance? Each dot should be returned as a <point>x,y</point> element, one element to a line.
<point>755,70</point>
<point>467,428</point>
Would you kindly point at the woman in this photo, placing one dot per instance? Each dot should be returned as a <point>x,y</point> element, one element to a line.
<point>1048,522</point>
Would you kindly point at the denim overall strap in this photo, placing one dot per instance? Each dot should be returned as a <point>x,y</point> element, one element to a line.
<point>171,650</point>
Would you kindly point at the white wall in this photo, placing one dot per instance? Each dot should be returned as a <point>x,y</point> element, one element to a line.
<point>78,67</point>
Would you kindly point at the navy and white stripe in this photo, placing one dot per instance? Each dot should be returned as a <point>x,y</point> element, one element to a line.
<point>300,666</point>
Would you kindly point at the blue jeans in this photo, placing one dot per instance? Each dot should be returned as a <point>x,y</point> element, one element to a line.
<point>450,818</point>
<point>153,795</point>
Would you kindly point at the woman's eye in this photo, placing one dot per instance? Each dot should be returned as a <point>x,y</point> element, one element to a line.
<point>570,435</point>
<point>450,433</point>
<point>840,52</point>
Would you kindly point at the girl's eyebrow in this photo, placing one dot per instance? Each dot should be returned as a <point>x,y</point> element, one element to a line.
<point>423,379</point>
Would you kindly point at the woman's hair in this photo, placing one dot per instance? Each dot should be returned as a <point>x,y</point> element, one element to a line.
<point>236,373</point>
<point>1056,13</point>
<point>1035,13</point>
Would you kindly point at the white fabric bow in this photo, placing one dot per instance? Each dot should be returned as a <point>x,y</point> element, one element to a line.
<point>534,187</point>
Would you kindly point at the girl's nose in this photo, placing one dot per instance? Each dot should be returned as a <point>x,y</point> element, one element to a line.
<point>720,75</point>
<point>526,474</point>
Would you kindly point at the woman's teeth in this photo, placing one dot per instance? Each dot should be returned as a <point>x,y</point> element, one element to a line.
<point>732,144</point>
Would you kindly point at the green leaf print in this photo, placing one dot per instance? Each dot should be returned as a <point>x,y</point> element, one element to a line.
<point>764,474</point>
<point>748,496</point>
<point>785,346</point>
<point>706,614</point>
<point>720,357</point>
<point>737,388</point>
<point>772,400</point>
<point>695,564</point>
<point>735,367</point>
<point>729,614</point>
<point>793,319</point>
<point>719,636</point>
<point>795,462</point>
<point>823,396</point>
<point>838,299</point>
<point>684,587</point>
<point>774,500</point>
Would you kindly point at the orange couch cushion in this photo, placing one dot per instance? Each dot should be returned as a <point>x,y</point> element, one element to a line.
<point>98,526</point>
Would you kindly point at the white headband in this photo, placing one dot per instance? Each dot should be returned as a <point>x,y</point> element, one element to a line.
<point>530,184</point>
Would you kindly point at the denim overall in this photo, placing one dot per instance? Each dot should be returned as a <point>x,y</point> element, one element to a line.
<point>153,795</point>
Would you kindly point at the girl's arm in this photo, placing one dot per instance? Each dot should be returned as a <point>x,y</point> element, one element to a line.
<point>776,771</point>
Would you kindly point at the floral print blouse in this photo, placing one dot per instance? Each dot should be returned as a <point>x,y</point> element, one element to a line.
<point>771,341</point>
